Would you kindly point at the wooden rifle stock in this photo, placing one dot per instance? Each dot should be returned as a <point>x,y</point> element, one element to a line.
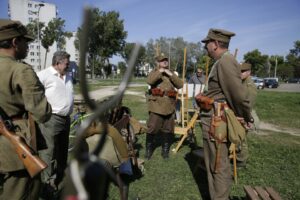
<point>31,161</point>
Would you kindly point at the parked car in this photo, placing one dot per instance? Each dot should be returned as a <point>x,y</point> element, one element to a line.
<point>271,83</point>
<point>259,82</point>
<point>293,80</point>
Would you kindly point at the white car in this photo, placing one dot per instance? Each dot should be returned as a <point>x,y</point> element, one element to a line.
<point>259,82</point>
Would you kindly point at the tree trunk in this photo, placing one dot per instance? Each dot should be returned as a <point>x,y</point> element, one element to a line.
<point>45,58</point>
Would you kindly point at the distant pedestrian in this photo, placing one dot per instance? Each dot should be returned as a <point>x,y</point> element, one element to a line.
<point>197,79</point>
<point>243,152</point>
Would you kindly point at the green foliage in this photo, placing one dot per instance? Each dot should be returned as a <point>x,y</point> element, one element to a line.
<point>259,62</point>
<point>55,32</point>
<point>174,48</point>
<point>107,38</point>
<point>32,28</point>
<point>140,60</point>
<point>122,67</point>
<point>293,58</point>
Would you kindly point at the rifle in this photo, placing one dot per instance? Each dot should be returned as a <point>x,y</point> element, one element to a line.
<point>30,160</point>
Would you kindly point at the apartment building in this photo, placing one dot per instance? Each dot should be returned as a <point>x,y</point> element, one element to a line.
<point>27,11</point>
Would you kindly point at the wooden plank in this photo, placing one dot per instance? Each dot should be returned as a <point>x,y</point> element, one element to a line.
<point>262,193</point>
<point>251,193</point>
<point>273,194</point>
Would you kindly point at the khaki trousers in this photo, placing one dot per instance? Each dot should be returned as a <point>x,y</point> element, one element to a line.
<point>219,184</point>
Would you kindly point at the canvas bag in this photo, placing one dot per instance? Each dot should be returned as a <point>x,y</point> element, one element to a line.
<point>236,132</point>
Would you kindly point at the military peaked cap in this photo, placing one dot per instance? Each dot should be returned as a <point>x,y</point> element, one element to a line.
<point>245,66</point>
<point>161,57</point>
<point>11,29</point>
<point>219,35</point>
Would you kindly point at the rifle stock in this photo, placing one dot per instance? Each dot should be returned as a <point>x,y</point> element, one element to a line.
<point>32,162</point>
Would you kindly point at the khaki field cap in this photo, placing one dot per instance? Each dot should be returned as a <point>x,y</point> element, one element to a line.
<point>245,66</point>
<point>11,29</point>
<point>161,57</point>
<point>219,35</point>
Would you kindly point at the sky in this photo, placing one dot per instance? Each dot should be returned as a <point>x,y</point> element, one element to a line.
<point>271,26</point>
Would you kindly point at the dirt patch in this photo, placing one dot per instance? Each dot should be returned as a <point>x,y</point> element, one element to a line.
<point>275,128</point>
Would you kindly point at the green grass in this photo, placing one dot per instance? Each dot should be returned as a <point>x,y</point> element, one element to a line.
<point>280,108</point>
<point>274,157</point>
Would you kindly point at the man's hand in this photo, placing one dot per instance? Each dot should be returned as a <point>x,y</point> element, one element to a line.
<point>161,70</point>
<point>168,72</point>
<point>243,122</point>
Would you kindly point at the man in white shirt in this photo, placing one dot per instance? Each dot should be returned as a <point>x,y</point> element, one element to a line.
<point>59,92</point>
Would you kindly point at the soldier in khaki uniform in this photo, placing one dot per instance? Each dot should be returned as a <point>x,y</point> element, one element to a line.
<point>161,105</point>
<point>224,85</point>
<point>21,93</point>
<point>243,152</point>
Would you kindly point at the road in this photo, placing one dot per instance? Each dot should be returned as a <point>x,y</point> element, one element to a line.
<point>109,91</point>
<point>286,87</point>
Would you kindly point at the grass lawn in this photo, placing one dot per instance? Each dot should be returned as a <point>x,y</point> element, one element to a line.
<point>274,157</point>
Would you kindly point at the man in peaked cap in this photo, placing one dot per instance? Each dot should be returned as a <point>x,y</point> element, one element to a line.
<point>161,105</point>
<point>224,86</point>
<point>243,153</point>
<point>21,93</point>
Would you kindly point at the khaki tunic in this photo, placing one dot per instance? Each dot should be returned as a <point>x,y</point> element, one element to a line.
<point>251,91</point>
<point>162,105</point>
<point>20,91</point>
<point>225,83</point>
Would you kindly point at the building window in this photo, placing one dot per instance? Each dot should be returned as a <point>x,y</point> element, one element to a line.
<point>32,53</point>
<point>32,60</point>
<point>30,19</point>
<point>38,47</point>
<point>29,5</point>
<point>37,53</point>
<point>31,47</point>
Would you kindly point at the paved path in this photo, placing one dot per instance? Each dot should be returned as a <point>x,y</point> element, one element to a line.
<point>109,91</point>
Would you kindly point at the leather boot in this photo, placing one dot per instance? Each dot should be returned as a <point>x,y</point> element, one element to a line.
<point>149,146</point>
<point>166,143</point>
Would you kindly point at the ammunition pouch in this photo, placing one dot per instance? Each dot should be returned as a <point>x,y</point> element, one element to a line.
<point>172,93</point>
<point>157,92</point>
<point>218,128</point>
<point>161,93</point>
<point>204,102</point>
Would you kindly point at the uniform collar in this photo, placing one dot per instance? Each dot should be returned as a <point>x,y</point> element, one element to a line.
<point>6,56</point>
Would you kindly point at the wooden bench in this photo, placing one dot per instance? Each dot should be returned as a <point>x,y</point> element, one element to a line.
<point>258,193</point>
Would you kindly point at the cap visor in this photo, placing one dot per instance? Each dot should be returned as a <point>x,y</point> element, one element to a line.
<point>29,38</point>
<point>205,40</point>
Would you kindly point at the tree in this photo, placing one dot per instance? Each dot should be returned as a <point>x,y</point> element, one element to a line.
<point>122,67</point>
<point>293,59</point>
<point>140,60</point>
<point>32,28</point>
<point>259,62</point>
<point>174,49</point>
<point>107,37</point>
<point>275,61</point>
<point>54,32</point>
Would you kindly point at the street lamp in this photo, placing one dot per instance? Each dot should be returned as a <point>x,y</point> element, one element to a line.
<point>38,32</point>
